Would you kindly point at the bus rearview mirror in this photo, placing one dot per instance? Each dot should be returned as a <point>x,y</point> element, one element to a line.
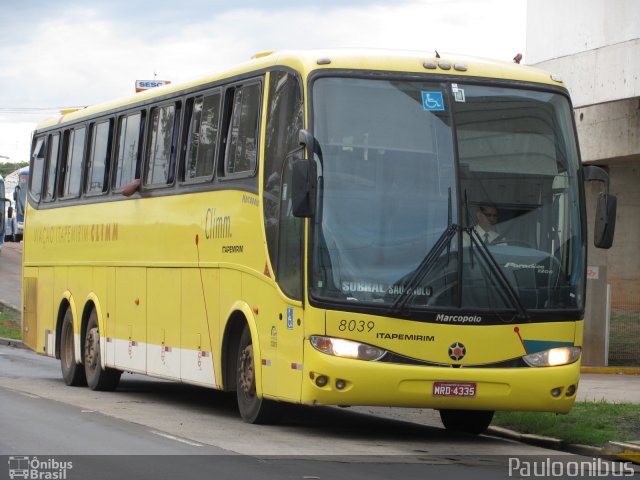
<point>605,223</point>
<point>304,183</point>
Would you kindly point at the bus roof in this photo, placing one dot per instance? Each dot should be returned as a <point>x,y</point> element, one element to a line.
<point>306,61</point>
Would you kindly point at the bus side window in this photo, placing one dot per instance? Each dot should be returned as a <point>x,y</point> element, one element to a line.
<point>130,131</point>
<point>52,167</point>
<point>202,137</point>
<point>162,140</point>
<point>73,156</point>
<point>99,157</point>
<point>37,167</point>
<point>242,130</point>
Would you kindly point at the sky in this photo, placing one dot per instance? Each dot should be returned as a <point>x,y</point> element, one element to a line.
<point>67,53</point>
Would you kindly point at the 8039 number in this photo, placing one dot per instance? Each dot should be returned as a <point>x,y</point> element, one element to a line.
<point>356,326</point>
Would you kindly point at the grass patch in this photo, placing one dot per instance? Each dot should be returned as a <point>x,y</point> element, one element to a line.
<point>10,323</point>
<point>589,423</point>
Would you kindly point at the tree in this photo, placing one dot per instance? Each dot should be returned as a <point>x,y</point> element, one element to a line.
<point>6,168</point>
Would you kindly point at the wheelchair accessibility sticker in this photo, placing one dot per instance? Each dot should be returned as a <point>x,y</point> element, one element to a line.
<point>289,318</point>
<point>432,101</point>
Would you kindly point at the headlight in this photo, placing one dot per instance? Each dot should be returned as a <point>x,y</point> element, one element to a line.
<point>340,347</point>
<point>553,357</point>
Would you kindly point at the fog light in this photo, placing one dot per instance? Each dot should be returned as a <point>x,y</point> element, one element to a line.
<point>556,392</point>
<point>340,384</point>
<point>571,390</point>
<point>322,380</point>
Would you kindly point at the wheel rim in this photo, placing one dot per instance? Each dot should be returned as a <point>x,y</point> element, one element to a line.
<point>91,348</point>
<point>67,350</point>
<point>247,376</point>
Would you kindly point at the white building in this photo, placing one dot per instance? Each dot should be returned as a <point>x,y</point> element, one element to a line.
<point>594,45</point>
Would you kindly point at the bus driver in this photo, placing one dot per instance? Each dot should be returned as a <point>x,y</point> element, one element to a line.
<point>487,216</point>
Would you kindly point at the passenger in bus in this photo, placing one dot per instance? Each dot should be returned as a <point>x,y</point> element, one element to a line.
<point>487,216</point>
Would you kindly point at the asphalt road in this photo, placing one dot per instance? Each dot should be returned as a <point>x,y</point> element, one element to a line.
<point>151,428</point>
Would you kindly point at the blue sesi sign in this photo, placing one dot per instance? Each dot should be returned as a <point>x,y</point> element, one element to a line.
<point>432,101</point>
<point>147,84</point>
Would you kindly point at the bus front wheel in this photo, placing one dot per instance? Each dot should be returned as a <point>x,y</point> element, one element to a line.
<point>72,372</point>
<point>466,421</point>
<point>253,409</point>
<point>98,378</point>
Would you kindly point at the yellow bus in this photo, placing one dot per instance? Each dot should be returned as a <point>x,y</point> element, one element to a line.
<point>308,228</point>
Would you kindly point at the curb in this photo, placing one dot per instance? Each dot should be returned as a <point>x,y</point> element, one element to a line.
<point>629,451</point>
<point>10,342</point>
<point>626,451</point>
<point>537,440</point>
<point>5,303</point>
<point>611,370</point>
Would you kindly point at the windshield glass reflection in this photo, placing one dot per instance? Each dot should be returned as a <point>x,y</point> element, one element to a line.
<point>388,194</point>
<point>387,174</point>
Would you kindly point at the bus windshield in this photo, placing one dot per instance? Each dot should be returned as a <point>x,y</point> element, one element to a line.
<point>406,161</point>
<point>21,192</point>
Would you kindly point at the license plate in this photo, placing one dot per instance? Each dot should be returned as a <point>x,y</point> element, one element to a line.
<point>454,389</point>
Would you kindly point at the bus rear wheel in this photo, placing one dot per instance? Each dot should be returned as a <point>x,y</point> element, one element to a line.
<point>253,409</point>
<point>72,372</point>
<point>466,421</point>
<point>98,378</point>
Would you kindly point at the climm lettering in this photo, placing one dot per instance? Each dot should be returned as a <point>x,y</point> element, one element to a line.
<point>60,234</point>
<point>104,232</point>
<point>216,226</point>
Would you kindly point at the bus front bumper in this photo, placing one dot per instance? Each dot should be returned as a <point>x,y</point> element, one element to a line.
<point>330,380</point>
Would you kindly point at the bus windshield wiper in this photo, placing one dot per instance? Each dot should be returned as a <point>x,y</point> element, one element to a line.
<point>428,261</point>
<point>424,268</point>
<point>476,240</point>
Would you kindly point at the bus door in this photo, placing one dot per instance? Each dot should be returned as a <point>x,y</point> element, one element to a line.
<point>290,279</point>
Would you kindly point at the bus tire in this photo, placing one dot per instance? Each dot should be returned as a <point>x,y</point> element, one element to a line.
<point>466,421</point>
<point>98,378</point>
<point>72,372</point>
<point>253,409</point>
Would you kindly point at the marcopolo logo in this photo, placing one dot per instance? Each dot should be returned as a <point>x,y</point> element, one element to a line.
<point>38,469</point>
<point>441,317</point>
